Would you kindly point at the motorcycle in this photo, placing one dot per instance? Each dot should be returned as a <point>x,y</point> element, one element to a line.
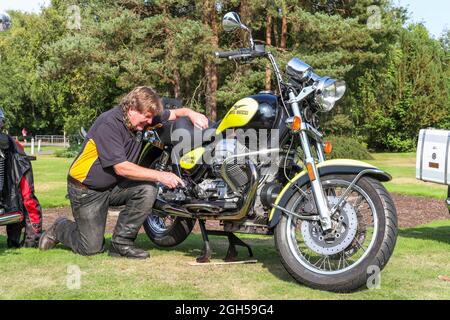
<point>333,222</point>
<point>19,207</point>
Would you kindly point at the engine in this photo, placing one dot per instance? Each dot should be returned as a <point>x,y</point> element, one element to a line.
<point>235,167</point>
<point>210,188</point>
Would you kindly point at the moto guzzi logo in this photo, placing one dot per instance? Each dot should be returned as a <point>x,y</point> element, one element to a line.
<point>241,112</point>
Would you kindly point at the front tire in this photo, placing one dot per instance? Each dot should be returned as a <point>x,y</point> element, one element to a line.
<point>320,267</point>
<point>167,231</point>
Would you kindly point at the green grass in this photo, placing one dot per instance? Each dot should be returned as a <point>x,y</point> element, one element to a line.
<point>402,167</point>
<point>422,254</point>
<point>50,180</point>
<point>44,148</point>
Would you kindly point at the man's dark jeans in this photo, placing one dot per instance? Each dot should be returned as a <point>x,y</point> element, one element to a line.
<point>90,208</point>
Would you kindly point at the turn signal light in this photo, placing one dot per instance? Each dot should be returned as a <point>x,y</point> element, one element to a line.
<point>327,147</point>
<point>296,123</point>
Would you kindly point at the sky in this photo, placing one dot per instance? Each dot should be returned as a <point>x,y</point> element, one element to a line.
<point>435,14</point>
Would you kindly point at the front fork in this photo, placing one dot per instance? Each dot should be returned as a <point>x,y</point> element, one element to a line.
<point>316,185</point>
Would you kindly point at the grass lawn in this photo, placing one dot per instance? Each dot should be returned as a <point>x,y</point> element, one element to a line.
<point>402,167</point>
<point>50,180</point>
<point>422,254</point>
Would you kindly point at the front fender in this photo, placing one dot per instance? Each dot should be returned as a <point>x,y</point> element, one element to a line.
<point>324,168</point>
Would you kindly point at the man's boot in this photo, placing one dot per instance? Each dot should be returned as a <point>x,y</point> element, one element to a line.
<point>125,233</point>
<point>48,239</point>
<point>127,251</point>
<point>14,232</point>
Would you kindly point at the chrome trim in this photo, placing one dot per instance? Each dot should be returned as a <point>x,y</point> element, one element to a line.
<point>170,210</point>
<point>320,153</point>
<point>301,217</point>
<point>205,206</point>
<point>311,131</point>
<point>302,95</point>
<point>298,70</point>
<point>223,172</point>
<point>316,185</point>
<point>250,197</point>
<point>9,219</point>
<point>348,190</point>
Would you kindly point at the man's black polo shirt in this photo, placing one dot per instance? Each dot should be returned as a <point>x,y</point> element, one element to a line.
<point>107,143</point>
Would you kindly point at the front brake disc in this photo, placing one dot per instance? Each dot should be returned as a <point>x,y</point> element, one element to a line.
<point>339,239</point>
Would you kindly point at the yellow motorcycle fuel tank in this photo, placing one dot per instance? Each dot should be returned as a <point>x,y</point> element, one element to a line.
<point>239,115</point>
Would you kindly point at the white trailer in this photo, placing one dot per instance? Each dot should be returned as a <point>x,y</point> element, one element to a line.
<point>433,157</point>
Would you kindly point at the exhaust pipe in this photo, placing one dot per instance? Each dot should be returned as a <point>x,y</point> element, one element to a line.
<point>198,207</point>
<point>167,209</point>
<point>10,218</point>
<point>251,192</point>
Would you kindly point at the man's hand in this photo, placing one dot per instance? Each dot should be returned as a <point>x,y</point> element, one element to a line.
<point>199,120</point>
<point>134,172</point>
<point>169,179</point>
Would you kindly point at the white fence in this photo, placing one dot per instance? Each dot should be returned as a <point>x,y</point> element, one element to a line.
<point>35,143</point>
<point>45,140</point>
<point>48,139</point>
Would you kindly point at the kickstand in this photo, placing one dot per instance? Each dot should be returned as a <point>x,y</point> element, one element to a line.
<point>206,253</point>
<point>233,242</point>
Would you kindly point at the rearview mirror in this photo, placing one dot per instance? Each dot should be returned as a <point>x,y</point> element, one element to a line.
<point>231,22</point>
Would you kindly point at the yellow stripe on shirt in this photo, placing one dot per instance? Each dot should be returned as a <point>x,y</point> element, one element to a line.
<point>83,164</point>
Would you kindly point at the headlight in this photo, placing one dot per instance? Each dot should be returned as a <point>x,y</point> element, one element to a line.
<point>328,92</point>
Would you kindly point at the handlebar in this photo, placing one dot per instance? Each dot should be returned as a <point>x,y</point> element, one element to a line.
<point>239,54</point>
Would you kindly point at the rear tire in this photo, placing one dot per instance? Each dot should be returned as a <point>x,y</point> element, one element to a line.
<point>346,279</point>
<point>172,235</point>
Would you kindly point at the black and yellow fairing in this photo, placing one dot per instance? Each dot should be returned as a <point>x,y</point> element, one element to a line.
<point>325,168</point>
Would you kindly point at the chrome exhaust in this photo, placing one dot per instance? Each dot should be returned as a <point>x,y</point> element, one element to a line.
<point>249,198</point>
<point>197,207</point>
<point>10,218</point>
<point>167,209</point>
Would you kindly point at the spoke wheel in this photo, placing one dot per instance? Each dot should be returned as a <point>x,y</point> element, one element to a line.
<point>363,235</point>
<point>354,228</point>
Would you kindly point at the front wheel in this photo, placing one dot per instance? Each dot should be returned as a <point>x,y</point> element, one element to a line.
<point>360,243</point>
<point>167,231</point>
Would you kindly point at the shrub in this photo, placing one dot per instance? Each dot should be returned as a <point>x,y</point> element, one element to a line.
<point>348,148</point>
<point>70,152</point>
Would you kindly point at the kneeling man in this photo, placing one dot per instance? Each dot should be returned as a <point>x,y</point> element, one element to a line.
<point>105,174</point>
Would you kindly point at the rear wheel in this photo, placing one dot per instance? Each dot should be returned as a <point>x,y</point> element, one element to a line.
<point>167,231</point>
<point>361,242</point>
<point>164,230</point>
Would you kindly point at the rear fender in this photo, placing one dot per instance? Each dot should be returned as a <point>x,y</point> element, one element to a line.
<point>324,168</point>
